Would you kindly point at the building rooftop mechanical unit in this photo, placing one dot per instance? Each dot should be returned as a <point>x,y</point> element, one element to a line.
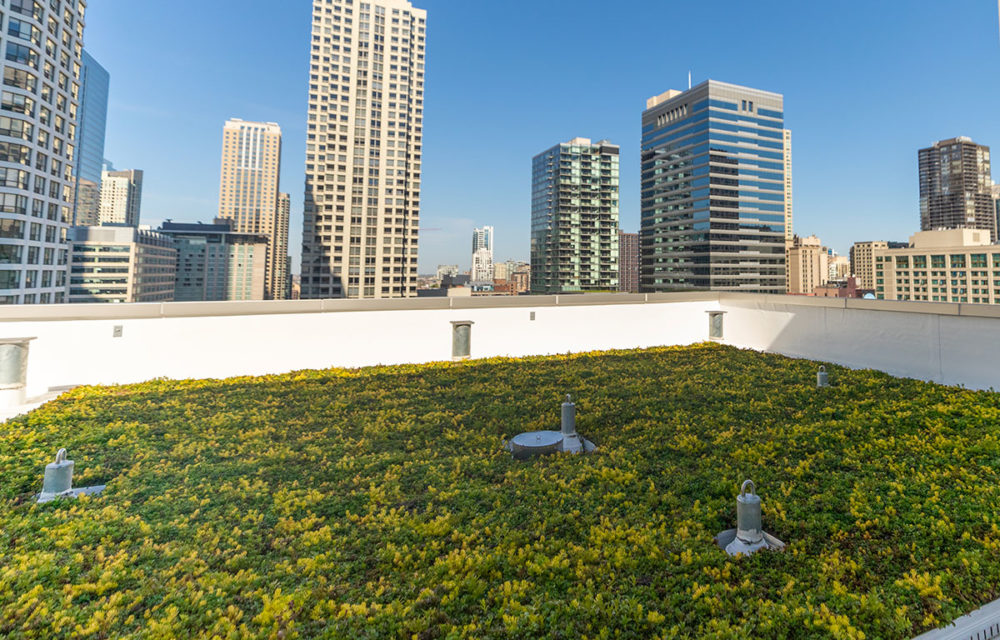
<point>58,481</point>
<point>540,443</point>
<point>749,536</point>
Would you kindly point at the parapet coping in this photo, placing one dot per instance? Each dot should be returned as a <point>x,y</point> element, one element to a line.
<point>982,624</point>
<point>142,311</point>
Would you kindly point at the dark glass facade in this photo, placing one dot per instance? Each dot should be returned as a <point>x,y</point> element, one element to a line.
<point>94,84</point>
<point>713,190</point>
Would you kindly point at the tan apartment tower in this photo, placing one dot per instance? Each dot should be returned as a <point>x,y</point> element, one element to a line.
<point>248,193</point>
<point>364,146</point>
<point>121,197</point>
<point>808,265</point>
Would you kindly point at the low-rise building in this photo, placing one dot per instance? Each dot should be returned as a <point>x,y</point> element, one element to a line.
<point>951,265</point>
<point>863,260</point>
<point>847,288</point>
<point>121,263</point>
<point>214,263</point>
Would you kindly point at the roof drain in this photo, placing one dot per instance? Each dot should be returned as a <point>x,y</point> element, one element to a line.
<point>540,443</point>
<point>749,536</point>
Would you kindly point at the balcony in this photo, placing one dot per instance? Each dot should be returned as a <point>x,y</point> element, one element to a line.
<point>380,502</point>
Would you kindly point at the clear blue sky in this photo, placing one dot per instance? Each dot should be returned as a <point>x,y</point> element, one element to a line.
<point>866,84</point>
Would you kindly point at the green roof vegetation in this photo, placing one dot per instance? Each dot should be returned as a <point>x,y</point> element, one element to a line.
<point>379,503</point>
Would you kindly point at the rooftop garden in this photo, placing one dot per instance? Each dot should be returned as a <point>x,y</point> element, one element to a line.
<point>379,503</point>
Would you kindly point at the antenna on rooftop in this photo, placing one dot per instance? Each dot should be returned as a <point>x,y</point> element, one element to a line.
<point>689,73</point>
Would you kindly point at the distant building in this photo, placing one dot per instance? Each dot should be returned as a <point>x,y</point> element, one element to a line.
<point>953,265</point>
<point>214,263</point>
<point>863,260</point>
<point>249,193</point>
<point>789,234</point>
<point>120,263</point>
<point>482,255</point>
<point>996,204</point>
<point>956,187</point>
<point>847,288</point>
<point>808,265</point>
<point>628,262</point>
<point>501,271</point>
<point>840,268</point>
<point>574,218</point>
<point>90,133</point>
<point>713,189</point>
<point>446,270</point>
<point>121,197</point>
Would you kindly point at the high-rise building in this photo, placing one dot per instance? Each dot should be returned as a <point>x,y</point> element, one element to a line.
<point>574,217</point>
<point>863,260</point>
<point>42,65</point>
<point>121,197</point>
<point>90,130</point>
<point>956,187</point>
<point>628,262</point>
<point>713,190</point>
<point>249,193</point>
<point>215,263</point>
<point>996,204</point>
<point>121,263</point>
<point>363,150</point>
<point>789,235</point>
<point>946,265</point>
<point>808,265</point>
<point>482,255</point>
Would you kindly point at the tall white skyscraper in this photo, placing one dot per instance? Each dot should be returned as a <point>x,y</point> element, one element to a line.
<point>42,67</point>
<point>121,197</point>
<point>482,255</point>
<point>363,149</point>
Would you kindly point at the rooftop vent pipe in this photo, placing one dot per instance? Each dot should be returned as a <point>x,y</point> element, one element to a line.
<point>539,443</point>
<point>749,536</point>
<point>822,378</point>
<point>58,482</point>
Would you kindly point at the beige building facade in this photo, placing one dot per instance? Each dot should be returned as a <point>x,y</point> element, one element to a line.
<point>789,234</point>
<point>121,197</point>
<point>808,267</point>
<point>952,265</point>
<point>120,263</point>
<point>863,261</point>
<point>364,148</point>
<point>249,194</point>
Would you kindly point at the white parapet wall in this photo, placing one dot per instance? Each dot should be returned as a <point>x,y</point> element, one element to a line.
<point>954,344</point>
<point>118,344</point>
<point>105,344</point>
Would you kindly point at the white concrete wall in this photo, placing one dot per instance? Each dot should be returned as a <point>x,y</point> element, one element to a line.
<point>947,343</point>
<point>939,345</point>
<point>84,351</point>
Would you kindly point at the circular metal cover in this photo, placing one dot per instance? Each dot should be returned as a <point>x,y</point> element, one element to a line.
<point>535,443</point>
<point>539,439</point>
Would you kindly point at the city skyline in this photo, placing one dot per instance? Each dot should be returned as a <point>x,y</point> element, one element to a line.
<point>870,91</point>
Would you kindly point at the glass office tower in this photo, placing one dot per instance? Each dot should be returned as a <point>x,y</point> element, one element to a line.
<point>713,190</point>
<point>574,218</point>
<point>93,117</point>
